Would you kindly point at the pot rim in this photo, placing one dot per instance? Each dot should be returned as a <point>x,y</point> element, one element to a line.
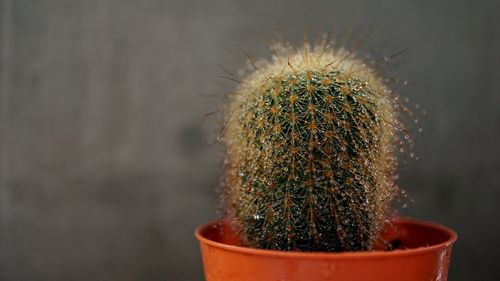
<point>377,254</point>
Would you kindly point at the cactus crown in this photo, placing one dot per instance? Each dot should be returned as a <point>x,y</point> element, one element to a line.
<point>310,140</point>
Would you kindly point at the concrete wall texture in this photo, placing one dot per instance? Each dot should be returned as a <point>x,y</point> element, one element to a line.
<point>106,163</point>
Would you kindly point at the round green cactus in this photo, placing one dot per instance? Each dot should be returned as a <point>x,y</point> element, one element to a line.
<point>310,140</point>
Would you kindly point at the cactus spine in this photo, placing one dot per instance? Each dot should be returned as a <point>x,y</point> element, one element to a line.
<point>310,140</point>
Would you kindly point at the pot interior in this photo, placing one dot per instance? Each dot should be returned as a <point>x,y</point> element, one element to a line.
<point>399,234</point>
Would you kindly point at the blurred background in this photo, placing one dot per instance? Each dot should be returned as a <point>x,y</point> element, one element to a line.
<point>106,158</point>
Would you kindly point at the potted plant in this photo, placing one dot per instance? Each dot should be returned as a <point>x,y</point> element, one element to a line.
<point>311,139</point>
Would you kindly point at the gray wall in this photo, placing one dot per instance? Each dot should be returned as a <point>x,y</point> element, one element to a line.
<point>106,161</point>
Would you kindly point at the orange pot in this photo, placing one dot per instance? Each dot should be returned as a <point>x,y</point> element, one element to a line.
<point>423,254</point>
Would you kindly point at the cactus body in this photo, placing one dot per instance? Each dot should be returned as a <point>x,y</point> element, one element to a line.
<point>310,138</point>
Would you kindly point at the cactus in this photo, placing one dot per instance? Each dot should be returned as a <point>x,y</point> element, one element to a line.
<point>310,138</point>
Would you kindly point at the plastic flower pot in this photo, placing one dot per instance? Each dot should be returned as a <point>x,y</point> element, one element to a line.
<point>421,252</point>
